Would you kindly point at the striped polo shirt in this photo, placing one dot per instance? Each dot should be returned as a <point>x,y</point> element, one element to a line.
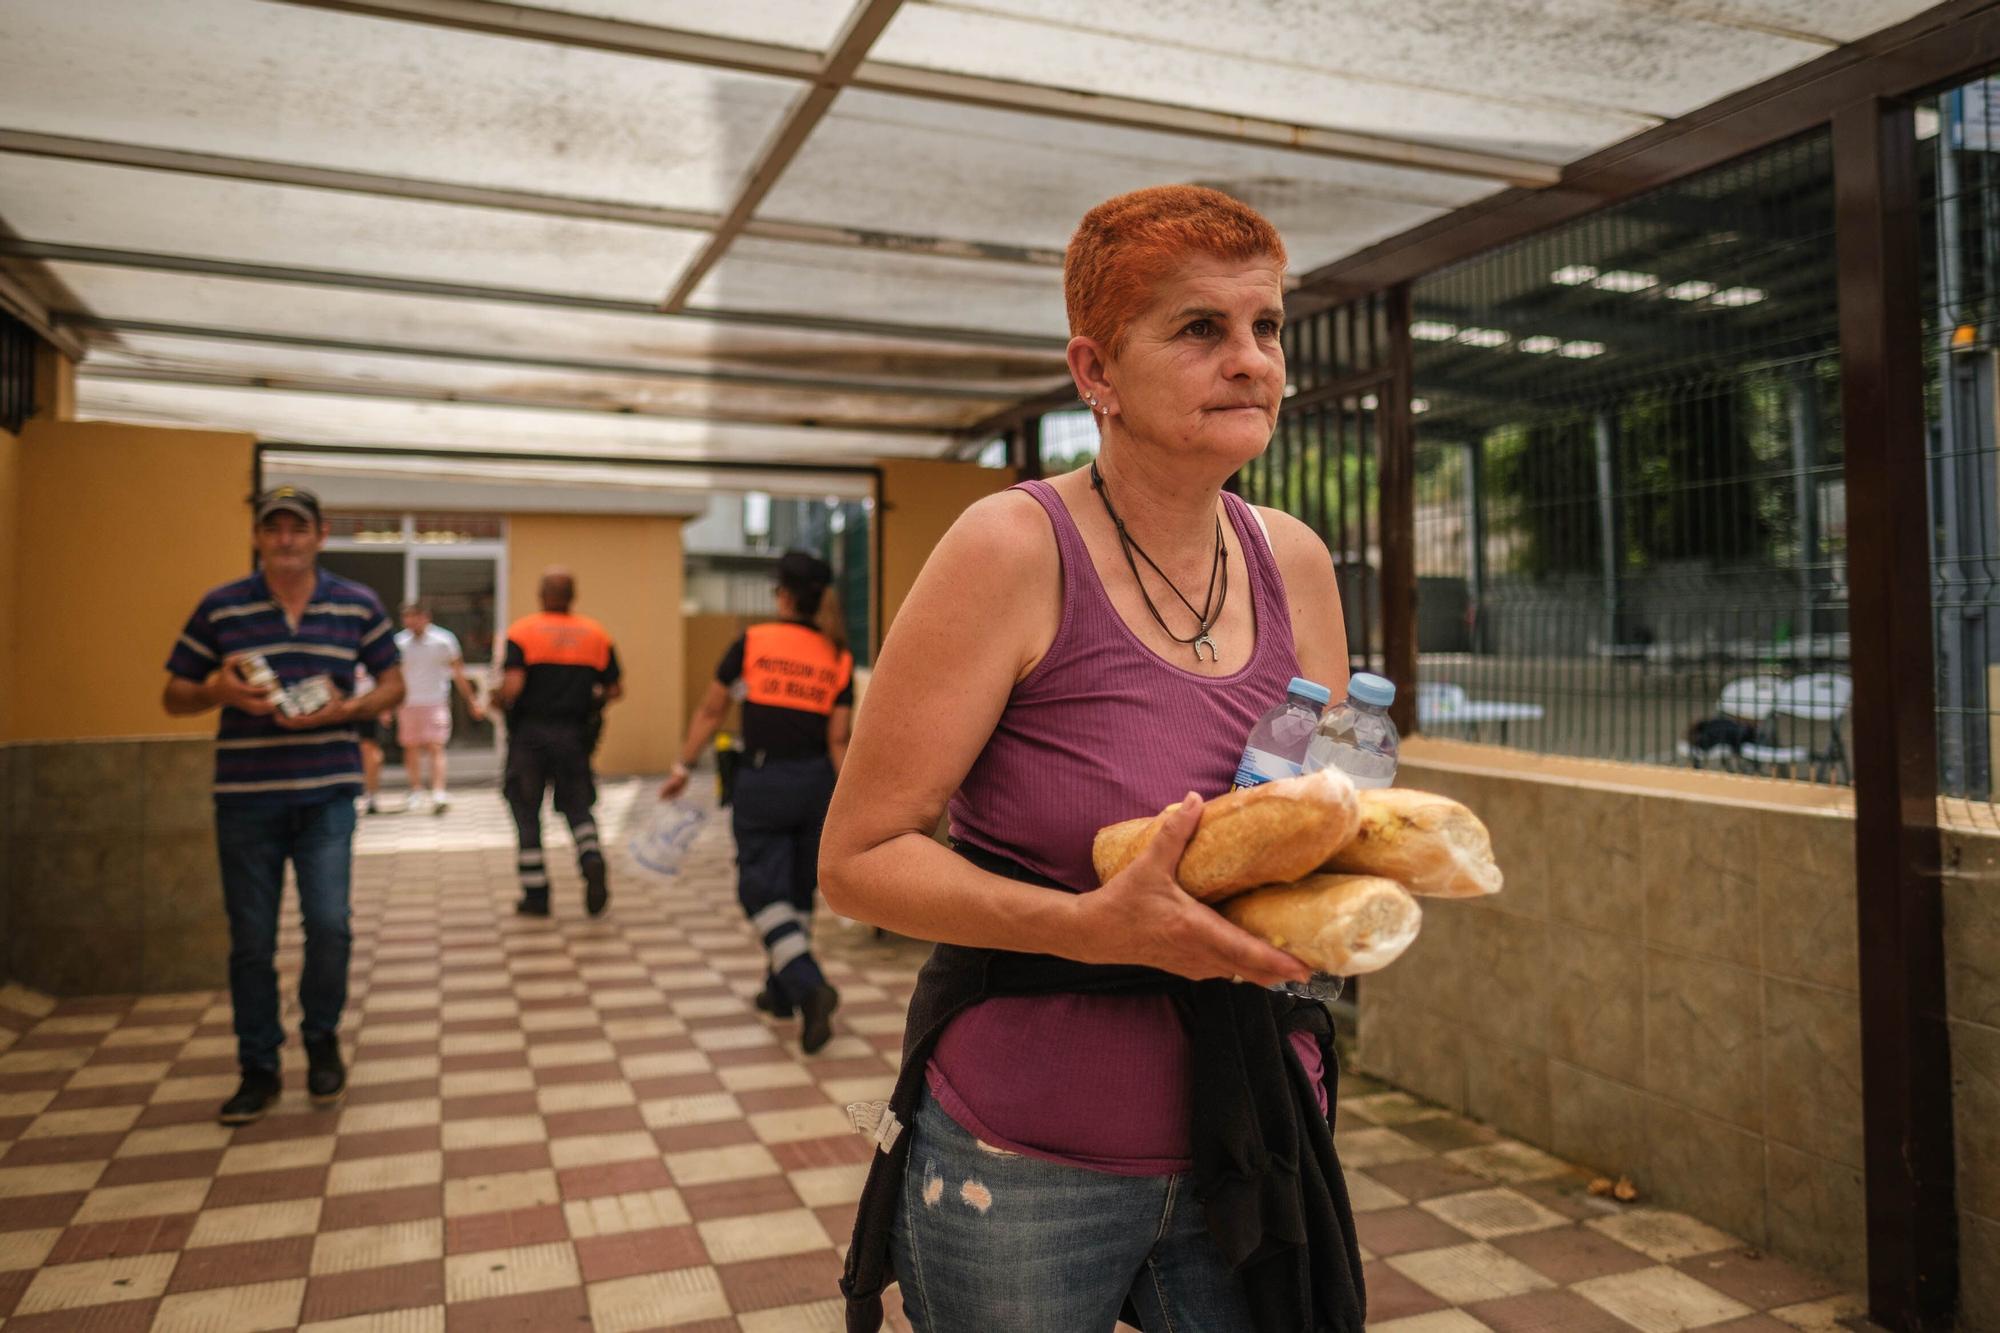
<point>257,762</point>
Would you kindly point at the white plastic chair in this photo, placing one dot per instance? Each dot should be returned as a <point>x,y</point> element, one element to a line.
<point>1822,697</point>
<point>1751,698</point>
<point>1438,700</point>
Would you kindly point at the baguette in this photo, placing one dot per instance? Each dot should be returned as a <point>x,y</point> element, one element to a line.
<point>1343,924</point>
<point>1268,834</point>
<point>1430,844</point>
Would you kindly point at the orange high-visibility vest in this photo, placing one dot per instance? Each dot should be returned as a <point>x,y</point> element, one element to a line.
<point>550,638</point>
<point>793,666</point>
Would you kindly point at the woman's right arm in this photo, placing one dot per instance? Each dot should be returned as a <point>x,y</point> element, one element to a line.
<point>981,614</point>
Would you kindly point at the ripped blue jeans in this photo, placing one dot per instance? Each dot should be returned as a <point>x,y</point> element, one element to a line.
<point>986,1240</point>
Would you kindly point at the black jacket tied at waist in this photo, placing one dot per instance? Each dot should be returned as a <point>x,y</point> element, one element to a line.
<point>1264,1163</point>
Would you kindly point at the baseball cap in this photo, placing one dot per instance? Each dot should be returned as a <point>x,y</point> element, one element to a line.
<point>803,569</point>
<point>288,500</point>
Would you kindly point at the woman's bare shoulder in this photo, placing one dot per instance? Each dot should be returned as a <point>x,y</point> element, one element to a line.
<point>1004,530</point>
<point>1296,546</point>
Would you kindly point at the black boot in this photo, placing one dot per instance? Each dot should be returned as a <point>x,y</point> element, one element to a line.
<point>817,1029</point>
<point>534,902</point>
<point>256,1094</point>
<point>772,1000</point>
<point>326,1075</point>
<point>596,891</point>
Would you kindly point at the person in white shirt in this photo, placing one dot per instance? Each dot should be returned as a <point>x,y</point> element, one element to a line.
<point>369,730</point>
<point>432,664</point>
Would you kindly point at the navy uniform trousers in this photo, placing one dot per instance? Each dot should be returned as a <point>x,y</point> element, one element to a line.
<point>778,812</point>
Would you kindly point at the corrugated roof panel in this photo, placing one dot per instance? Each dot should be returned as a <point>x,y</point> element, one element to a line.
<point>810,24</point>
<point>1552,80</point>
<point>1828,20</point>
<point>1420,66</point>
<point>879,285</point>
<point>80,203</point>
<point>1320,71</point>
<point>314,418</point>
<point>897,164</point>
<point>290,84</point>
<point>383,318</point>
<point>598,390</point>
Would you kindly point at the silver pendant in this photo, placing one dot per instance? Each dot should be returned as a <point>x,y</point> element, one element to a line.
<point>1213,655</point>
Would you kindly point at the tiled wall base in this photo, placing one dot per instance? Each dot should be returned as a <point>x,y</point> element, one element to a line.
<point>108,879</point>
<point>1668,988</point>
<point>20,1010</point>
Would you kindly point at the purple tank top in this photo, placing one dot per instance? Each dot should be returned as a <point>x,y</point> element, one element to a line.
<point>1102,730</point>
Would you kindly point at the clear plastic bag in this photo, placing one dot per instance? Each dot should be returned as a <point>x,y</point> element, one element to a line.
<point>662,839</point>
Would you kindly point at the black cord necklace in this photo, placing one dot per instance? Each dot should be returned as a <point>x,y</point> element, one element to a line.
<point>1218,577</point>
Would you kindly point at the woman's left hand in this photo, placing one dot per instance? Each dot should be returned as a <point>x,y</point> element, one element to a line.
<point>1142,915</point>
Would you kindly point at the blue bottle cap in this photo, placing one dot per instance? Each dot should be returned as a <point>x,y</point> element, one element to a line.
<point>1309,689</point>
<point>1370,689</point>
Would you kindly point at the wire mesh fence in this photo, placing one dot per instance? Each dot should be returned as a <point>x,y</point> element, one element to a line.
<point>1630,520</point>
<point>1324,463</point>
<point>1959,182</point>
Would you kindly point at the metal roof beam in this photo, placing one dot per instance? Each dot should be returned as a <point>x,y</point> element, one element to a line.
<point>265,172</point>
<point>376,282</point>
<point>1061,397</point>
<point>640,39</point>
<point>392,451</point>
<point>24,305</point>
<point>717,375</point>
<point>857,35</point>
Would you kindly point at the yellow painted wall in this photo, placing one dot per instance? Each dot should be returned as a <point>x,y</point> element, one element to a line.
<point>10,542</point>
<point>922,499</point>
<point>708,638</point>
<point>629,578</point>
<point>120,531</point>
<point>55,385</point>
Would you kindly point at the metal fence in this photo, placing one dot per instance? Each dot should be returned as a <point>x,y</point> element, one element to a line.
<point>1628,501</point>
<point>1959,178</point>
<point>1324,463</point>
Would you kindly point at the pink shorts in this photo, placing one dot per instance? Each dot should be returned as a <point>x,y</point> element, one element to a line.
<point>423,724</point>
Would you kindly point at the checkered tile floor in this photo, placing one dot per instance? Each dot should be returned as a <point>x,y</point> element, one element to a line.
<point>583,1124</point>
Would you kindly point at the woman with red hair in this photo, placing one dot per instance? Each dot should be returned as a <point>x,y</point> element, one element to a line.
<point>1103,1107</point>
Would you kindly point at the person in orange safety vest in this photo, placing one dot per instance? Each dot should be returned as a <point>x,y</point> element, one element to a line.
<point>796,684</point>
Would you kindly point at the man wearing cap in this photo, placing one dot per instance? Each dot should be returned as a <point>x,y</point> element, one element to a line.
<point>795,681</point>
<point>277,653</point>
<point>560,671</point>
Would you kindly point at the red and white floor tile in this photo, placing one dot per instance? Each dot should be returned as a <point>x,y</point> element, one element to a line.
<point>583,1124</point>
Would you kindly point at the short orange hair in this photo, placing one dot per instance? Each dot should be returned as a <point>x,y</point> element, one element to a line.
<point>1126,245</point>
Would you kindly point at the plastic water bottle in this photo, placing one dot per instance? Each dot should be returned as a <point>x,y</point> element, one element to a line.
<point>1277,744</point>
<point>1356,736</point>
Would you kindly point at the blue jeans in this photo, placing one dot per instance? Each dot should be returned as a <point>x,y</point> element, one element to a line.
<point>988,1240</point>
<point>254,843</point>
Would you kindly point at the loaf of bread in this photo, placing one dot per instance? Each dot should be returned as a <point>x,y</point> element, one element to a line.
<point>1268,834</point>
<point>1343,924</point>
<point>1430,844</point>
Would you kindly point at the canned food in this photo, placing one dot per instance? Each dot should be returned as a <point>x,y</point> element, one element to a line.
<point>257,673</point>
<point>308,696</point>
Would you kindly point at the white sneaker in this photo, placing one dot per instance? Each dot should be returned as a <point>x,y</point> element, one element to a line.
<point>440,802</point>
<point>418,800</point>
